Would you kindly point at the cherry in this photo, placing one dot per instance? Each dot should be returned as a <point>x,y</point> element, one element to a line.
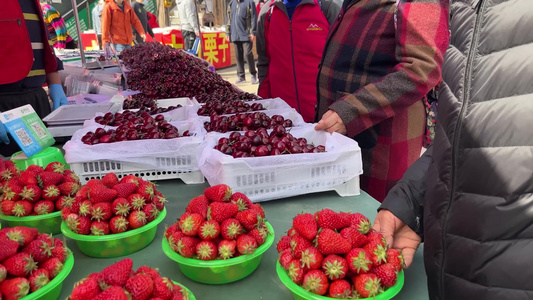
<point>261,151</point>
<point>99,132</point>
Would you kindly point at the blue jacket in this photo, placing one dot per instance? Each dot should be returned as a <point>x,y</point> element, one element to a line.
<point>242,20</point>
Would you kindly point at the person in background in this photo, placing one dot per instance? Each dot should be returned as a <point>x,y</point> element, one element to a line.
<point>241,30</point>
<point>189,22</point>
<point>117,20</point>
<point>259,6</point>
<point>31,64</point>
<point>138,8</point>
<point>96,15</point>
<point>152,20</point>
<point>291,35</point>
<point>57,29</point>
<point>378,64</point>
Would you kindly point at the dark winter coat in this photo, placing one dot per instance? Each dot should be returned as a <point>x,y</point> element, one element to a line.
<point>242,20</point>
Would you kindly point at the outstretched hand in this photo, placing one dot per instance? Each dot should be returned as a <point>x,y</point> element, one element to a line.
<point>331,122</point>
<point>398,235</point>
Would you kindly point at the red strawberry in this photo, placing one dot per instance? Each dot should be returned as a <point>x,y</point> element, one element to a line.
<point>332,220</point>
<point>12,192</point>
<point>58,243</point>
<point>259,209</point>
<point>100,193</point>
<point>64,201</point>
<point>354,237</point>
<point>340,289</point>
<point>153,273</point>
<point>335,267</point>
<point>250,219</point>
<point>22,235</point>
<point>15,288</point>
<point>186,246</point>
<point>198,205</point>
<point>35,169</point>
<point>231,229</point>
<point>226,249</point>
<point>137,219</point>
<point>246,244</point>
<point>378,253</point>
<point>140,286</point>
<point>151,212</point>
<point>55,167</point>
<point>220,211</point>
<point>367,285</point>
<point>284,243</point>
<point>54,266</point>
<point>209,230</point>
<point>206,250</point>
<point>8,248</point>
<point>83,193</point>
<point>110,180</point>
<point>260,235</point>
<point>61,253</point>
<point>113,293</point>
<point>7,207</point>
<point>285,258</point>
<point>162,288</point>
<point>70,177</point>
<point>124,190</point>
<point>147,190</point>
<point>395,257</point>
<point>118,273</point>
<point>69,188</point>
<point>298,244</point>
<point>86,208</point>
<point>136,201</point>
<point>21,265</point>
<point>130,179</point>
<point>99,228</point>
<point>174,238</point>
<point>359,261</point>
<point>49,178</point>
<point>218,193</point>
<point>311,258</point>
<point>387,274</point>
<point>9,173</point>
<point>306,226</point>
<point>241,200</point>
<point>39,250</point>
<point>27,178</point>
<point>44,207</point>
<point>190,223</point>
<point>121,207</point>
<point>315,281</point>
<point>118,224</point>
<point>296,271</point>
<point>22,208</point>
<point>101,211</point>
<point>85,289</point>
<point>360,222</point>
<point>330,242</point>
<point>79,225</point>
<point>51,193</point>
<point>170,230</point>
<point>376,237</point>
<point>31,193</point>
<point>159,202</point>
<point>39,279</point>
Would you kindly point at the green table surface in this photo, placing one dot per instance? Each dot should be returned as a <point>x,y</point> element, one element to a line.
<point>264,282</point>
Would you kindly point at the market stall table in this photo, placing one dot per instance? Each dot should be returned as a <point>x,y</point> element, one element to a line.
<point>263,283</point>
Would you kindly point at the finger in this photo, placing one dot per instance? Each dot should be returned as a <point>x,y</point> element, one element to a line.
<point>408,256</point>
<point>324,124</point>
<point>387,226</point>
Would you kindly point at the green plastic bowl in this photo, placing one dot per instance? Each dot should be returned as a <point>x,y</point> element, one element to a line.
<point>43,158</point>
<point>49,223</point>
<point>189,293</point>
<point>52,290</point>
<point>115,245</point>
<point>301,294</point>
<point>219,271</point>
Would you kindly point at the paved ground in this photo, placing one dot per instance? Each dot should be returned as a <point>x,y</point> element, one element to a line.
<point>230,74</point>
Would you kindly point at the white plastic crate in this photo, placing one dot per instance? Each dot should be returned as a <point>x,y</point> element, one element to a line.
<point>274,103</point>
<point>275,177</point>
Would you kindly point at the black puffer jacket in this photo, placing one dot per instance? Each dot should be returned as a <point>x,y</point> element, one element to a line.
<point>477,181</point>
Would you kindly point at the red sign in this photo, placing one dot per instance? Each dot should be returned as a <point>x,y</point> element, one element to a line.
<point>216,49</point>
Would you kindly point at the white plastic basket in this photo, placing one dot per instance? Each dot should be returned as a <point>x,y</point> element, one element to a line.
<point>275,177</point>
<point>268,104</point>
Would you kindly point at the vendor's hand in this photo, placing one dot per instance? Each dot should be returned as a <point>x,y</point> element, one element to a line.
<point>252,38</point>
<point>398,235</point>
<point>331,122</point>
<point>143,36</point>
<point>227,38</point>
<point>58,95</point>
<point>3,134</point>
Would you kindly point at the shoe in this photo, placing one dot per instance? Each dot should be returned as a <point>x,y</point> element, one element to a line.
<point>240,80</point>
<point>254,79</point>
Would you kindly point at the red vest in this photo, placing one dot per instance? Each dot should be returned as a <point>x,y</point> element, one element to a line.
<point>294,49</point>
<point>16,54</point>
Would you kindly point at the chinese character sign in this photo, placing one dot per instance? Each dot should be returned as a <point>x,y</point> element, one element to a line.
<point>216,49</point>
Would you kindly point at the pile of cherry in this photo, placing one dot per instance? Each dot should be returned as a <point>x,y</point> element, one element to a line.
<point>245,122</point>
<point>228,107</point>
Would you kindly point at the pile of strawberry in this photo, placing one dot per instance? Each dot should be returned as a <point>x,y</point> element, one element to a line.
<point>110,206</point>
<point>338,254</point>
<point>28,261</point>
<point>121,282</point>
<point>37,191</point>
<point>218,225</point>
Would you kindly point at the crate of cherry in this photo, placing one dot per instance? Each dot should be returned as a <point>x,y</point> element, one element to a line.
<point>152,149</point>
<point>338,255</point>
<point>267,119</point>
<point>220,107</point>
<point>33,265</point>
<point>279,163</point>
<point>220,238</point>
<point>121,282</point>
<point>34,197</point>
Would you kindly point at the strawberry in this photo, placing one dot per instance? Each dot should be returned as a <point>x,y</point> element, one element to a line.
<point>20,264</point>
<point>335,267</point>
<point>147,190</point>
<point>285,258</point>
<point>354,237</point>
<point>153,273</point>
<point>151,212</point>
<point>367,285</point>
<point>246,244</point>
<point>140,286</point>
<point>359,261</point>
<point>260,235</point>
<point>218,193</point>
<point>376,237</point>
<point>206,250</point>
<point>27,178</point>
<point>315,281</point>
<point>49,178</point>
<point>340,289</point>
<point>58,243</point>
<point>54,266</point>
<point>22,208</point>
<point>99,228</point>
<point>186,246</point>
<point>283,243</point>
<point>7,207</point>
<point>3,273</point>
<point>296,271</point>
<point>44,207</point>
<point>329,219</point>
<point>69,176</point>
<point>298,244</point>
<point>79,225</point>
<point>55,167</point>
<point>61,253</point>
<point>159,202</point>
<point>241,200</point>
<point>250,219</point>
<point>109,180</point>
<point>121,207</point>
<point>130,179</point>
<point>51,193</point>
<point>198,205</point>
<point>69,188</point>
<point>86,208</point>
<point>378,253</point>
<point>226,249</point>
<point>259,209</point>
<point>12,192</point>
<point>162,288</point>
<point>39,279</point>
<point>64,201</point>
<point>31,193</point>
<point>311,258</point>
<point>209,230</point>
<point>100,193</point>
<point>47,238</point>
<point>124,190</point>
<point>220,211</point>
<point>136,201</point>
<point>8,248</point>
<point>395,257</point>
<point>189,223</point>
<point>83,193</point>
<point>360,222</point>
<point>35,169</point>
<point>22,235</point>
<point>15,288</point>
<point>330,242</point>
<point>174,238</point>
<point>137,219</point>
<point>231,229</point>
<point>101,211</point>
<point>170,230</point>
<point>306,226</point>
<point>9,173</point>
<point>387,274</point>
<point>113,293</point>
<point>118,224</point>
<point>39,250</point>
<point>118,273</point>
<point>85,289</point>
